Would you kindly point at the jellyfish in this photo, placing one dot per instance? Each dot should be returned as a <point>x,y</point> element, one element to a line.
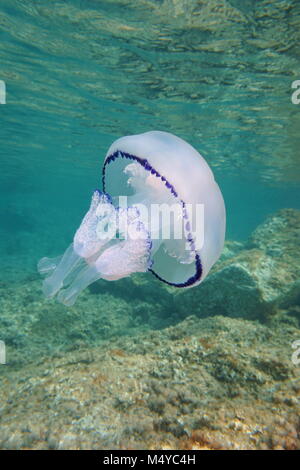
<point>159,210</point>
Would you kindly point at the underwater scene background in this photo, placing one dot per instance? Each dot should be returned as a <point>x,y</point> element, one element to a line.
<point>136,364</point>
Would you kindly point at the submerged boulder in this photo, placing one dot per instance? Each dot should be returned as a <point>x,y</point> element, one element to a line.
<point>255,281</point>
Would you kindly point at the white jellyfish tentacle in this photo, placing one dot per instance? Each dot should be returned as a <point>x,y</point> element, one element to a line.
<point>47,265</point>
<point>97,227</point>
<point>85,277</point>
<point>97,253</point>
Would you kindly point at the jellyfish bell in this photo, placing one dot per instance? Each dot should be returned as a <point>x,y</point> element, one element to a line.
<point>173,222</point>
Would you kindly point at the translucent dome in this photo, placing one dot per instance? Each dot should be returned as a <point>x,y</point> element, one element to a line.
<point>160,210</point>
<point>172,171</point>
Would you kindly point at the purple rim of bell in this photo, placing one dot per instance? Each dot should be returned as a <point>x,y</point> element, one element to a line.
<point>146,165</point>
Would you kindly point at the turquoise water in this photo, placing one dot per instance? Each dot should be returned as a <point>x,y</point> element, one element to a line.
<point>81,73</point>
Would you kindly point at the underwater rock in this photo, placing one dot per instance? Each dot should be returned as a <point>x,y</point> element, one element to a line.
<point>292,297</point>
<point>279,235</point>
<point>202,383</point>
<point>258,280</point>
<point>247,282</point>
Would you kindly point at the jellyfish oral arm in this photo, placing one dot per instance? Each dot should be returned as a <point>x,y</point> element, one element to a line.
<point>96,252</point>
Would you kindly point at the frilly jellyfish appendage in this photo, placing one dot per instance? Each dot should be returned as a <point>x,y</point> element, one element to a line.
<point>153,172</point>
<point>95,254</point>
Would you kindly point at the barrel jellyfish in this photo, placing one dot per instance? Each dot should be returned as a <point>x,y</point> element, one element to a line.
<point>159,210</point>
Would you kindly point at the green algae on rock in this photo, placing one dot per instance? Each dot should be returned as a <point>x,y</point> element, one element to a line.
<point>257,280</point>
<point>205,383</point>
